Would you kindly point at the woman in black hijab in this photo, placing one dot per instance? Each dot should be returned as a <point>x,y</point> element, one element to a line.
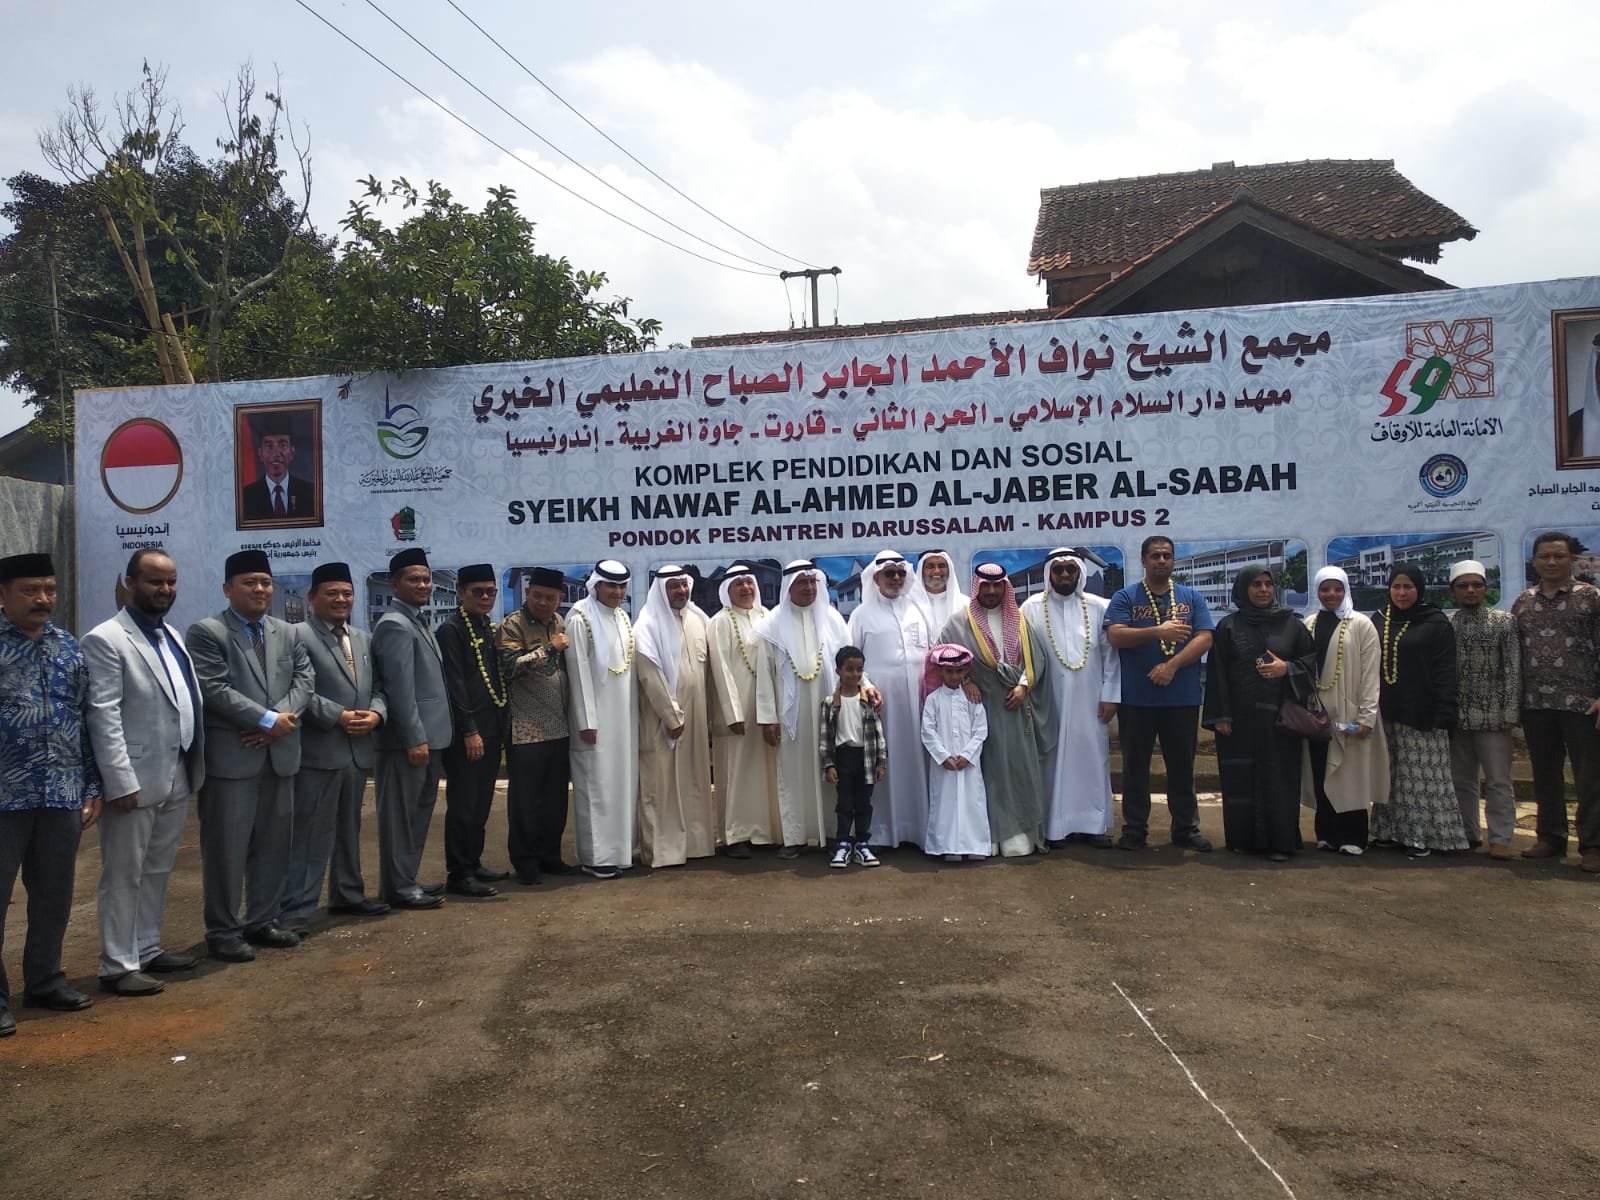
<point>1417,698</point>
<point>1261,654</point>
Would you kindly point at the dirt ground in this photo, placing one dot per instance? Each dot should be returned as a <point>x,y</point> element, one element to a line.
<point>1372,1027</point>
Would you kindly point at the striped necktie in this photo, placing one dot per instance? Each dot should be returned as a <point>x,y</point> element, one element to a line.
<point>258,643</point>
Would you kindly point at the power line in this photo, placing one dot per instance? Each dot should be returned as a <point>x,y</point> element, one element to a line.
<point>513,155</point>
<point>597,178</point>
<point>526,70</point>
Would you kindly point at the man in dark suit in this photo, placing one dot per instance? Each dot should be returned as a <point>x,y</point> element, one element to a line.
<point>478,713</point>
<point>255,682</point>
<point>410,673</point>
<point>149,741</point>
<point>277,495</point>
<point>337,750</point>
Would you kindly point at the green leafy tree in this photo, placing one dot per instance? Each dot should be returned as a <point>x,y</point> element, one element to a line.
<point>448,286</point>
<point>127,165</point>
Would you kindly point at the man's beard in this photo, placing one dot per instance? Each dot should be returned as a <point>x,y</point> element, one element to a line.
<point>1063,589</point>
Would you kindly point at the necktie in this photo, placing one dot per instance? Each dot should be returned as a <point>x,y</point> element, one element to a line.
<point>277,500</point>
<point>258,643</point>
<point>342,632</point>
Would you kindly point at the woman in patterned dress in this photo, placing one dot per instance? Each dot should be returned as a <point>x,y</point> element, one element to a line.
<point>1418,702</point>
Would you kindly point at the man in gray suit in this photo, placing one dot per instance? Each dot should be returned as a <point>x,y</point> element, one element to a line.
<point>144,723</point>
<point>255,682</point>
<point>336,753</point>
<point>410,674</point>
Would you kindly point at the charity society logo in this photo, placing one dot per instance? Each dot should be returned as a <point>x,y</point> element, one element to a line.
<point>1442,476</point>
<point>404,524</point>
<point>1454,358</point>
<point>141,465</point>
<point>397,437</point>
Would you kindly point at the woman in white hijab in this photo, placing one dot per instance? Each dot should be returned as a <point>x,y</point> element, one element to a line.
<point>1343,778</point>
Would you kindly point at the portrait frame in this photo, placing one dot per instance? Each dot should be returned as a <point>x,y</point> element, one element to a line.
<point>1575,364</point>
<point>302,484</point>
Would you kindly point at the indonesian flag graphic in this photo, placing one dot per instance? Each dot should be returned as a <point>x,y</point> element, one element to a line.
<point>141,465</point>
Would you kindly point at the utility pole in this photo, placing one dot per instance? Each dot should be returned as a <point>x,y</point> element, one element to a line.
<point>61,374</point>
<point>813,274</point>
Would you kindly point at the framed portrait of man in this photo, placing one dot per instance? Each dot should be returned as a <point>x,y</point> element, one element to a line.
<point>1575,347</point>
<point>277,457</point>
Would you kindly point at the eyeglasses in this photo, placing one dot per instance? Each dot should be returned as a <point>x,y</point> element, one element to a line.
<point>483,591</point>
<point>892,573</point>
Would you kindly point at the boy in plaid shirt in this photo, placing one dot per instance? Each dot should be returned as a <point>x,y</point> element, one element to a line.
<point>853,757</point>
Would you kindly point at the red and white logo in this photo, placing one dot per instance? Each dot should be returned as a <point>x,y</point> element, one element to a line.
<point>141,465</point>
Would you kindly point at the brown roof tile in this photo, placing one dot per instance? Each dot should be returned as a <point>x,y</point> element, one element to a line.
<point>1112,222</point>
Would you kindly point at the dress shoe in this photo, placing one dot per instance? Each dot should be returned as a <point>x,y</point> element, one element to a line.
<point>738,850</point>
<point>8,1023</point>
<point>530,878</point>
<point>1098,840</point>
<point>602,872</point>
<point>1499,852</point>
<point>490,875</point>
<point>1130,841</point>
<point>272,937</point>
<point>1193,841</point>
<point>1544,849</point>
<point>431,889</point>
<point>471,885</point>
<point>417,900</point>
<point>61,999</point>
<point>362,908</point>
<point>233,950</point>
<point>556,867</point>
<point>1590,862</point>
<point>298,928</point>
<point>134,983</point>
<point>168,961</point>
<point>788,851</point>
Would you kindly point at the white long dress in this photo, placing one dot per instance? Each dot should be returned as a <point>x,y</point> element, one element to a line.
<point>958,815</point>
<point>744,766</point>
<point>1078,772</point>
<point>677,814</point>
<point>805,799</point>
<point>893,634</point>
<point>605,776</point>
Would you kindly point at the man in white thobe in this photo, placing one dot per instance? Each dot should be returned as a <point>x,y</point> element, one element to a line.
<point>1086,678</point>
<point>934,587</point>
<point>677,816</point>
<point>795,674</point>
<point>745,767</point>
<point>891,629</point>
<point>603,711</point>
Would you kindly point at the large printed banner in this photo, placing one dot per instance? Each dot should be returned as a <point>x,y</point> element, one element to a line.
<point>1429,427</point>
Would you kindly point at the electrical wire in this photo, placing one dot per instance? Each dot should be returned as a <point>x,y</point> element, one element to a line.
<point>513,155</point>
<point>526,70</point>
<point>530,129</point>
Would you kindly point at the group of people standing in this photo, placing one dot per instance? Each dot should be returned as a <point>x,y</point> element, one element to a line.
<point>982,725</point>
<point>1420,710</point>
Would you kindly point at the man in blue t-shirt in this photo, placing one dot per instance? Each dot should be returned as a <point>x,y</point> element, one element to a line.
<point>1162,630</point>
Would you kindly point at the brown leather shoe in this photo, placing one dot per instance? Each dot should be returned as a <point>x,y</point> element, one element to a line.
<point>1544,849</point>
<point>1590,862</point>
<point>1499,852</point>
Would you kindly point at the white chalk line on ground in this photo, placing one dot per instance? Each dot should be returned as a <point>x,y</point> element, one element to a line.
<point>1201,1092</point>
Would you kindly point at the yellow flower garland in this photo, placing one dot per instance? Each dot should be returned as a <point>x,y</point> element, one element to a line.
<point>477,643</point>
<point>1050,634</point>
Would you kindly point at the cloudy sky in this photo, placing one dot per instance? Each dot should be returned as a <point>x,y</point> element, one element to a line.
<point>904,143</point>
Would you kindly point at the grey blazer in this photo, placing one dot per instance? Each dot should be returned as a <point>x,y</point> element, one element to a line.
<point>133,715</point>
<point>237,696</point>
<point>411,678</point>
<point>323,745</point>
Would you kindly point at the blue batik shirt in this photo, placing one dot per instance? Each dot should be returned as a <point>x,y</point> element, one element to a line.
<point>45,760</point>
